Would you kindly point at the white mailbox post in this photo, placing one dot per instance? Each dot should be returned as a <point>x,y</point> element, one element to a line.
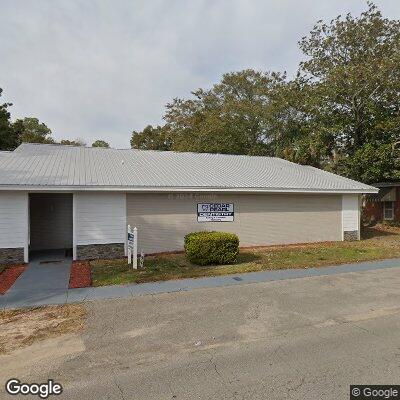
<point>132,246</point>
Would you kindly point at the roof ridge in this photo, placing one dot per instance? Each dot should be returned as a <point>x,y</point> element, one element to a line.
<point>205,153</point>
<point>152,150</point>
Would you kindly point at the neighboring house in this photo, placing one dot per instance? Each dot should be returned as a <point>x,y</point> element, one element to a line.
<point>385,205</point>
<point>79,198</point>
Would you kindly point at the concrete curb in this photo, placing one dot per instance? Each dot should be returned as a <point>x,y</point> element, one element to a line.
<point>63,296</point>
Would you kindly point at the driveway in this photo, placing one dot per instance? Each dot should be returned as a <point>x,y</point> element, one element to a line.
<point>307,338</point>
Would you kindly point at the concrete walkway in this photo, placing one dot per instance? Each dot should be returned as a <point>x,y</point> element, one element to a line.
<point>45,281</point>
<point>48,284</point>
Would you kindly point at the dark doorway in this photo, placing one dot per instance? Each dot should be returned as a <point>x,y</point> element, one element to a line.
<point>50,216</point>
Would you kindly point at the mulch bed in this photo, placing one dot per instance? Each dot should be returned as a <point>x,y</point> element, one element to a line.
<point>81,275</point>
<point>9,276</point>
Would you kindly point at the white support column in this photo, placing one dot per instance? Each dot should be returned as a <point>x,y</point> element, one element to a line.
<point>74,255</point>
<point>28,230</point>
<point>125,227</point>
<point>135,247</point>
<point>350,217</point>
<point>359,215</point>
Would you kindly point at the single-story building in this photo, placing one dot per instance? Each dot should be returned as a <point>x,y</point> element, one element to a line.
<point>78,198</point>
<point>384,205</point>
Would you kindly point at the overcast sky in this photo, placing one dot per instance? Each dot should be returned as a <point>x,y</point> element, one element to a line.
<point>99,69</point>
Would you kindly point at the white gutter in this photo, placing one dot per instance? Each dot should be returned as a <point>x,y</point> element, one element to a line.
<point>175,189</point>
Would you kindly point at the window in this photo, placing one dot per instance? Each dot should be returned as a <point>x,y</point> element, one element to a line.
<point>388,210</point>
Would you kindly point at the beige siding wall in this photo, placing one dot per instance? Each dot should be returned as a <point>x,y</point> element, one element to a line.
<point>50,221</point>
<point>260,219</point>
<point>100,217</point>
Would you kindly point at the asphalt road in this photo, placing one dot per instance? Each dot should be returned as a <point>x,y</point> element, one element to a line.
<point>305,338</point>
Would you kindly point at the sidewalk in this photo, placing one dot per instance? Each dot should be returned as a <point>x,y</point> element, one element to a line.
<point>45,281</point>
<point>62,295</point>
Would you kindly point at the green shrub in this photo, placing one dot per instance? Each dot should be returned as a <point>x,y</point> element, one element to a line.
<point>208,248</point>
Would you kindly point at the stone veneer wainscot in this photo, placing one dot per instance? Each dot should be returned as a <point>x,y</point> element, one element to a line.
<point>12,256</point>
<point>99,251</point>
<point>349,236</point>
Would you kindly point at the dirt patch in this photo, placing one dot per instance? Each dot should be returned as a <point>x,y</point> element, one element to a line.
<point>9,275</point>
<point>21,328</point>
<point>81,275</point>
<point>46,355</point>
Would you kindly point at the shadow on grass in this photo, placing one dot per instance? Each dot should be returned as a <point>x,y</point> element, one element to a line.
<point>248,257</point>
<point>371,232</point>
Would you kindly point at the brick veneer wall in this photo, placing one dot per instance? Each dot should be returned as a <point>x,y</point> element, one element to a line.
<point>373,211</point>
<point>397,205</point>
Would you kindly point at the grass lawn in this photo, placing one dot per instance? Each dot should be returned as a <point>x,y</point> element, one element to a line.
<point>378,243</point>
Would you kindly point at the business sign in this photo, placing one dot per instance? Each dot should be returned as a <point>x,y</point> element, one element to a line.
<point>215,212</point>
<point>131,246</point>
<point>131,239</point>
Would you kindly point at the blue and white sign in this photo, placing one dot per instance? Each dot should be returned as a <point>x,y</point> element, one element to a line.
<point>131,246</point>
<point>131,239</point>
<point>215,212</point>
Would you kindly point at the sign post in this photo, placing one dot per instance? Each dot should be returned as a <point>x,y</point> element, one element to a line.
<point>132,246</point>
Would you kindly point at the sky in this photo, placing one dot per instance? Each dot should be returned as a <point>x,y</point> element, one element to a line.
<point>99,69</point>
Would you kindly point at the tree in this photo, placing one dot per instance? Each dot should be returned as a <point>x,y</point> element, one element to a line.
<point>7,137</point>
<point>341,112</point>
<point>232,117</point>
<point>352,77</point>
<point>30,130</point>
<point>152,138</point>
<point>76,142</point>
<point>373,163</point>
<point>100,143</point>
<point>293,134</point>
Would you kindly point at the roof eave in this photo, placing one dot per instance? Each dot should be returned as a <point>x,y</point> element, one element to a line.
<point>93,188</point>
<point>387,184</point>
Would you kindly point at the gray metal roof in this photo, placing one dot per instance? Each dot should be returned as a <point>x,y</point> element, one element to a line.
<point>387,184</point>
<point>375,197</point>
<point>52,167</point>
